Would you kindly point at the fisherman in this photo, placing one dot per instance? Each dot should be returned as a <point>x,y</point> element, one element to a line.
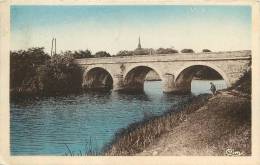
<point>212,88</point>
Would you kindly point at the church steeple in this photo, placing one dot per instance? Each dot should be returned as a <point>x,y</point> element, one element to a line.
<point>139,44</point>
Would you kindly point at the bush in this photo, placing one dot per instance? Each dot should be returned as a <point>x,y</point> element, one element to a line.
<point>206,50</point>
<point>60,75</point>
<point>82,54</point>
<point>33,72</point>
<point>24,65</point>
<point>187,51</point>
<point>125,53</point>
<point>166,51</point>
<point>244,83</point>
<point>102,54</point>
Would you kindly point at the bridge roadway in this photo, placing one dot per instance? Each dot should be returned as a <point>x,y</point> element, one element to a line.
<point>176,71</point>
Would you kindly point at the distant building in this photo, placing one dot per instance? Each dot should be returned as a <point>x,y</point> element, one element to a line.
<point>139,44</point>
<point>143,51</point>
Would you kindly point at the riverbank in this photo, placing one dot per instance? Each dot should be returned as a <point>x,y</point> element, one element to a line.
<point>218,125</point>
<point>208,126</point>
<point>221,127</point>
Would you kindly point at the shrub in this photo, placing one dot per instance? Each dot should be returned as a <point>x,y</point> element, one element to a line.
<point>24,65</point>
<point>33,72</point>
<point>206,50</point>
<point>102,54</point>
<point>166,51</point>
<point>125,53</point>
<point>244,83</point>
<point>187,51</point>
<point>60,75</point>
<point>82,54</point>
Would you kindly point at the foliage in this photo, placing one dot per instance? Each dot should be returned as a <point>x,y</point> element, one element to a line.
<point>206,73</point>
<point>187,51</point>
<point>82,54</point>
<point>125,53</point>
<point>90,149</point>
<point>60,75</point>
<point>102,54</point>
<point>206,50</point>
<point>24,65</point>
<point>142,51</point>
<point>33,72</point>
<point>244,83</point>
<point>166,51</point>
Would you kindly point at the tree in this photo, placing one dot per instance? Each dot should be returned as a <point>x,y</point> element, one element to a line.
<point>24,65</point>
<point>60,75</point>
<point>142,51</point>
<point>102,54</point>
<point>82,54</point>
<point>187,51</point>
<point>33,72</point>
<point>125,53</point>
<point>166,51</point>
<point>206,50</point>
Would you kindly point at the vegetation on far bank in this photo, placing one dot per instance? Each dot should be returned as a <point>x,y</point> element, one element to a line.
<point>33,73</point>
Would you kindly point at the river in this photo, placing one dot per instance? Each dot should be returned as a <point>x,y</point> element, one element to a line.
<point>86,122</point>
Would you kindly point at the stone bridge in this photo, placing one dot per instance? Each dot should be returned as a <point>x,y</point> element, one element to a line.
<point>175,70</point>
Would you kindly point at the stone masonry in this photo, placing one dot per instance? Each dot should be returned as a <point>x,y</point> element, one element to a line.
<point>175,70</point>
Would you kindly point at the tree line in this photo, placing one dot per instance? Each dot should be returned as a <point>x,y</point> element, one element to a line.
<point>157,51</point>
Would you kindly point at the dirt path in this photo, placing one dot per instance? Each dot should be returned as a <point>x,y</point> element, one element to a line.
<point>221,127</point>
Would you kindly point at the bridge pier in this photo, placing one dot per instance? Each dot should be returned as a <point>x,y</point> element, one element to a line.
<point>170,86</point>
<point>118,83</point>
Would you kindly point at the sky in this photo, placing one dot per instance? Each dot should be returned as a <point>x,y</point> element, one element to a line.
<point>114,28</point>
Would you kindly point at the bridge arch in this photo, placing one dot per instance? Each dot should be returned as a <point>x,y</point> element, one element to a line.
<point>153,67</point>
<point>97,78</point>
<point>185,74</point>
<point>134,77</point>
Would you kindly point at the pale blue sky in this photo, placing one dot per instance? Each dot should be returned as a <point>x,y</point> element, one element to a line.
<point>114,28</point>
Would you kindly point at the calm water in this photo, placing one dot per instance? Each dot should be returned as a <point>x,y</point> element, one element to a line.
<point>45,126</point>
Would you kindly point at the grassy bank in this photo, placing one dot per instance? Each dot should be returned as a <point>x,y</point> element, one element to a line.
<point>221,127</point>
<point>218,125</point>
<point>138,136</point>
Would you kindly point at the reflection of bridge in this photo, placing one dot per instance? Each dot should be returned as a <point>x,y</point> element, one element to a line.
<point>176,70</point>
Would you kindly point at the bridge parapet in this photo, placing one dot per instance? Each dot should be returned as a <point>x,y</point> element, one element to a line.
<point>245,54</point>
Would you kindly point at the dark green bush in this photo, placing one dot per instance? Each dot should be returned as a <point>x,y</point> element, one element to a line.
<point>125,53</point>
<point>187,51</point>
<point>60,75</point>
<point>34,72</point>
<point>102,54</point>
<point>166,51</point>
<point>206,50</point>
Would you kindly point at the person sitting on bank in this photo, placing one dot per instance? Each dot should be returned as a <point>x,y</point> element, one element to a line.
<point>212,88</point>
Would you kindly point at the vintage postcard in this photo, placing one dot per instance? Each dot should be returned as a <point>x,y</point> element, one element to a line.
<point>113,82</point>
